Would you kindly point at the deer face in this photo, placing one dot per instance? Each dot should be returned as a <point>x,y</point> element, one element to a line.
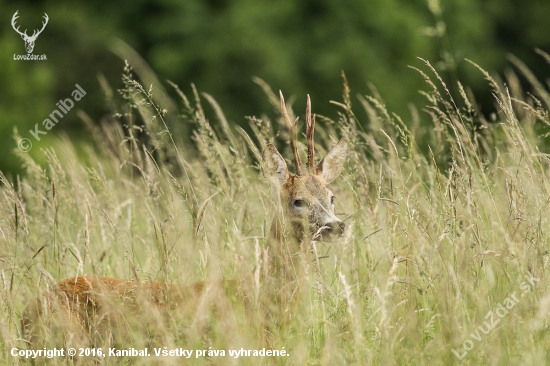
<point>307,203</point>
<point>29,42</point>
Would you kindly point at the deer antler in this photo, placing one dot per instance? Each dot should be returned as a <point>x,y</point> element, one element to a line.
<point>13,19</point>
<point>292,136</point>
<point>34,34</point>
<point>310,128</point>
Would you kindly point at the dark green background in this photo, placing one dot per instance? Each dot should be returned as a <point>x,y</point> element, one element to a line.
<point>297,46</point>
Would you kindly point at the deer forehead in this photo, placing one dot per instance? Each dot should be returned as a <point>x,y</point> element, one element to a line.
<point>306,187</point>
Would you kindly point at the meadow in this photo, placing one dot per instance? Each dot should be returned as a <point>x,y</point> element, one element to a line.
<point>443,260</point>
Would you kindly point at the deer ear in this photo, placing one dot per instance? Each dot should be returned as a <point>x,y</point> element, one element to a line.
<point>274,164</point>
<point>332,164</point>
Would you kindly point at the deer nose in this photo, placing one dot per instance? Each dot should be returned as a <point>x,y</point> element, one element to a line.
<point>342,225</point>
<point>336,227</point>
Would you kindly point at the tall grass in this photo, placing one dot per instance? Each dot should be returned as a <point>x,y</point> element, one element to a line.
<point>443,224</point>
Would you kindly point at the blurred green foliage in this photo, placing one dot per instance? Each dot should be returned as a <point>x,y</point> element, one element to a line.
<point>297,46</point>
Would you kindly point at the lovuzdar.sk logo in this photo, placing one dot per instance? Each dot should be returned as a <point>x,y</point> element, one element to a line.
<point>29,40</point>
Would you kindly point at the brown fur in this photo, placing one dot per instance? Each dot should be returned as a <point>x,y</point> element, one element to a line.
<point>89,310</point>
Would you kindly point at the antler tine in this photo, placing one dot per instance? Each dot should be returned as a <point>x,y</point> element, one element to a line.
<point>292,136</point>
<point>310,129</point>
<point>45,22</point>
<point>46,18</point>
<point>13,23</point>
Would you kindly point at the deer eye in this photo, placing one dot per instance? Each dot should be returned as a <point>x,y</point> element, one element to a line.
<point>299,203</point>
<point>332,200</point>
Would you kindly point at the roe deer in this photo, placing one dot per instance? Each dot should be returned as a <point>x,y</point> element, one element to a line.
<point>306,201</point>
<point>85,306</point>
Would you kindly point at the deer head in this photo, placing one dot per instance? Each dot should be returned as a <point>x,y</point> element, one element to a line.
<point>307,203</point>
<point>29,41</point>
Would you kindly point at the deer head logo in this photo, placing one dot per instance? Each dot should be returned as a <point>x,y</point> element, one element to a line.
<point>29,40</point>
